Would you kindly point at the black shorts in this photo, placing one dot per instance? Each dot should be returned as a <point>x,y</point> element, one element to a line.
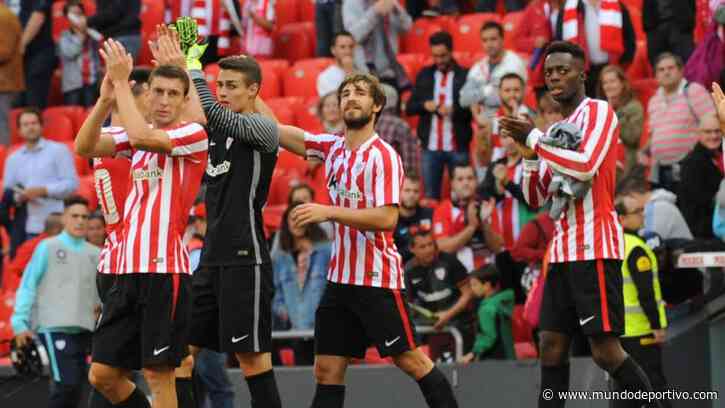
<point>584,295</point>
<point>350,318</point>
<point>104,283</point>
<point>144,322</point>
<point>232,308</point>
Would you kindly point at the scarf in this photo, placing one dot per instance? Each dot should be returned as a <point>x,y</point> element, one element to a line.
<point>610,27</point>
<point>213,20</point>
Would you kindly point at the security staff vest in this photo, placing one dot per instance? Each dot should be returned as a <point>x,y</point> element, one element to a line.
<point>636,323</point>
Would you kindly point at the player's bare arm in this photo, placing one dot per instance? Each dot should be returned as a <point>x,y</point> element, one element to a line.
<point>90,142</point>
<point>364,219</point>
<point>293,139</point>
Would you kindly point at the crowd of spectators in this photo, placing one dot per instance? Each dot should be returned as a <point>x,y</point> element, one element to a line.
<point>471,245</point>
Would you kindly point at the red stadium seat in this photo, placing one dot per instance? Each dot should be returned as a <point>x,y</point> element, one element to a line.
<point>464,59</point>
<point>83,166</point>
<point>466,34</point>
<point>301,82</point>
<point>58,127</point>
<point>412,63</point>
<point>289,163</point>
<point>315,63</point>
<point>286,12</point>
<point>280,186</point>
<point>284,109</point>
<point>87,190</point>
<point>271,85</point>
<point>77,114</point>
<point>277,65</point>
<point>416,40</point>
<point>273,218</point>
<point>13,125</point>
<point>306,10</point>
<point>59,22</point>
<point>211,71</point>
<point>306,117</point>
<point>3,156</point>
<point>295,41</point>
<point>511,23</point>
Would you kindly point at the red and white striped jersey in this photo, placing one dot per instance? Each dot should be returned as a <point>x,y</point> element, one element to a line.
<point>368,177</point>
<point>162,189</point>
<point>111,182</point>
<point>450,220</point>
<point>588,229</point>
<point>511,213</point>
<point>212,18</point>
<point>441,128</point>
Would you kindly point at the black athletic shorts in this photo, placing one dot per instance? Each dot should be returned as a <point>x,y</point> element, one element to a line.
<point>104,283</point>
<point>350,318</point>
<point>144,322</point>
<point>584,295</point>
<point>232,308</point>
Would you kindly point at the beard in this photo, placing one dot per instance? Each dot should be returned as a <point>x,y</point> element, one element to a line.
<point>408,205</point>
<point>358,122</point>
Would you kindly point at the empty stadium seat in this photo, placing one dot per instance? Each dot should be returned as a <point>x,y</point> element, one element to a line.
<point>315,63</point>
<point>280,186</point>
<point>271,85</point>
<point>152,14</point>
<point>59,128</point>
<point>77,114</point>
<point>295,41</point>
<point>511,23</point>
<point>412,63</point>
<point>416,39</point>
<point>277,65</point>
<point>284,109</point>
<point>466,33</point>
<point>301,81</point>
<point>464,59</point>
<point>306,117</point>
<point>83,166</point>
<point>289,163</point>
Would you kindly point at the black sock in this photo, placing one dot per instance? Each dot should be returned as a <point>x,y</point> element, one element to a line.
<point>263,389</point>
<point>329,396</point>
<point>630,377</point>
<point>437,390</point>
<point>554,379</point>
<point>97,400</point>
<point>137,399</point>
<point>185,393</point>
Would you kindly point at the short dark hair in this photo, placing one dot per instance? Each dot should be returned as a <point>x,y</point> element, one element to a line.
<point>415,178</point>
<point>140,76</point>
<point>247,66</point>
<point>565,47</point>
<point>97,216</point>
<point>70,3</point>
<point>171,72</point>
<point>488,25</point>
<point>460,165</point>
<point>376,91</point>
<point>513,75</point>
<point>441,38</point>
<point>665,55</point>
<point>301,186</point>
<point>635,184</point>
<point>29,110</point>
<point>73,200</point>
<point>488,273</point>
<point>339,34</point>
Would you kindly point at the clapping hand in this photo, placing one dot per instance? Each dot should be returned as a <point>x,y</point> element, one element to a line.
<point>188,31</point>
<point>166,50</point>
<point>119,63</point>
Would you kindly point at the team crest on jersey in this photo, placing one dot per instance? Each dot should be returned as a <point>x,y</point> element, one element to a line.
<point>425,223</point>
<point>219,169</point>
<point>440,273</point>
<point>229,142</point>
<point>142,174</point>
<point>61,255</point>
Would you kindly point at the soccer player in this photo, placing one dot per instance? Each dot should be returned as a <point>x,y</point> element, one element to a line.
<point>363,302</point>
<point>233,287</point>
<point>144,322</point>
<point>583,288</point>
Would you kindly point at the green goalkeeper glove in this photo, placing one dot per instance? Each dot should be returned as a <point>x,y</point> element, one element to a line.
<point>188,32</point>
<point>193,56</point>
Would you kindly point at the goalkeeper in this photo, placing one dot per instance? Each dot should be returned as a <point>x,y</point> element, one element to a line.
<point>233,286</point>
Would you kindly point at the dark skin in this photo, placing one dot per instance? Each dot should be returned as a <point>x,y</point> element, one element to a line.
<point>565,77</point>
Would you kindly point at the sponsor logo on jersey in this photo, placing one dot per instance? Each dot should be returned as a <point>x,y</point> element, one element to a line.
<point>142,174</point>
<point>219,169</point>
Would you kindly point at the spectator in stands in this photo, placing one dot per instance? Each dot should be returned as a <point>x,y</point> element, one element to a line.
<point>41,173</point>
<point>11,68</point>
<point>674,112</point>
<point>661,215</point>
<point>300,271</point>
<point>530,248</point>
<point>53,226</point>
<point>480,92</point>
<point>58,299</point>
<point>258,21</point>
<point>494,339</point>
<point>669,25</point>
<point>534,33</point>
<point>701,172</point>
<point>615,88</point>
<point>444,127</point>
<point>490,6</point>
<point>328,109</point>
<point>376,27</point>
<point>38,50</point>
<point>328,21</point>
<point>79,57</point>
<point>606,41</point>
<point>438,282</point>
<point>412,214</point>
<point>120,20</point>
<point>549,112</point>
<point>343,51</point>
<point>96,233</point>
<point>396,132</point>
<point>462,224</point>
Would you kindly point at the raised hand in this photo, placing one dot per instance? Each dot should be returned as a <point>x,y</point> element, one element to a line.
<point>166,49</point>
<point>517,129</point>
<point>106,92</point>
<point>188,32</point>
<point>719,98</point>
<point>119,63</point>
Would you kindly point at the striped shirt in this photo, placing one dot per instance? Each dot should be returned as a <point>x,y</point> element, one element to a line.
<point>368,177</point>
<point>512,213</point>
<point>450,220</point>
<point>441,127</point>
<point>674,120</point>
<point>588,229</point>
<point>111,183</point>
<point>162,189</point>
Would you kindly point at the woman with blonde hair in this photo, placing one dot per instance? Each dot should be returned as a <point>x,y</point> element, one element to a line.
<point>614,86</point>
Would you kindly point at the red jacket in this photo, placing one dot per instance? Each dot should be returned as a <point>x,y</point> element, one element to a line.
<point>533,240</point>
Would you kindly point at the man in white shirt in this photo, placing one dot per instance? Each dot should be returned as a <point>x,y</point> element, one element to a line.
<point>343,48</point>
